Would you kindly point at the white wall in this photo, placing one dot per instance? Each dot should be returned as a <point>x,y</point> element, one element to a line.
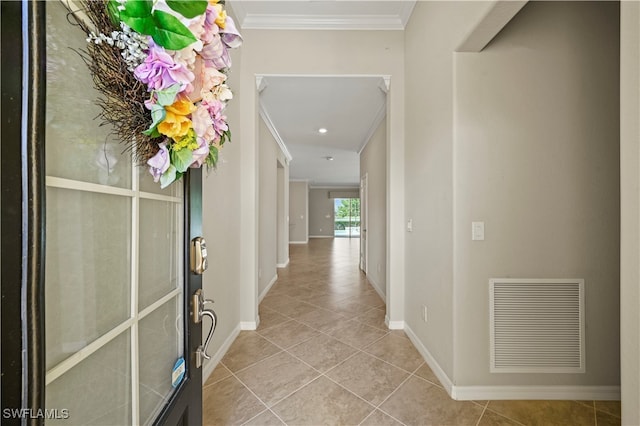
<point>322,53</point>
<point>630,223</point>
<point>321,214</point>
<point>434,31</point>
<point>298,212</point>
<point>536,157</point>
<point>373,164</point>
<point>267,209</point>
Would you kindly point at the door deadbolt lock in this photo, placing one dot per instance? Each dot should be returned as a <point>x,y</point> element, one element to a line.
<point>199,260</point>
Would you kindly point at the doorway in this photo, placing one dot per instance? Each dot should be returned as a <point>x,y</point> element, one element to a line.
<point>346,222</point>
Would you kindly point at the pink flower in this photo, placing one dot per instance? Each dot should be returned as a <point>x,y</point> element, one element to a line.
<point>159,71</point>
<point>211,77</point>
<point>159,163</point>
<point>200,154</point>
<point>215,108</point>
<point>203,123</point>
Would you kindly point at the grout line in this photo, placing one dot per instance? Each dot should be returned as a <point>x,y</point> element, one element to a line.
<point>503,415</point>
<point>481,415</point>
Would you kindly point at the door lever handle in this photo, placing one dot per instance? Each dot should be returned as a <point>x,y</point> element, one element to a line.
<point>214,321</point>
<point>198,313</point>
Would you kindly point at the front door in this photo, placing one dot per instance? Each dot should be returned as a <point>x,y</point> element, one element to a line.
<point>119,339</point>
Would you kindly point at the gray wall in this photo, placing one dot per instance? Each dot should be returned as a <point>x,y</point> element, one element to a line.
<point>321,214</point>
<point>630,167</point>
<point>433,32</point>
<point>536,158</point>
<point>220,225</point>
<point>298,212</point>
<point>283,213</point>
<point>268,208</point>
<point>373,164</point>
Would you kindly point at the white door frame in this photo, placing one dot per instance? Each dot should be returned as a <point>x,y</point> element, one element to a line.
<point>364,223</point>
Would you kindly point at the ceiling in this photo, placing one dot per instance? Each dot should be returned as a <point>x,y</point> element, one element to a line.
<point>349,107</point>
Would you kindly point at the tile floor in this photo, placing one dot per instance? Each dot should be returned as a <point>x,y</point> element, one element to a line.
<point>323,356</point>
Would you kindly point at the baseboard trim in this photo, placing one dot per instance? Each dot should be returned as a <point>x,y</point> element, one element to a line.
<point>376,287</point>
<point>249,325</point>
<point>431,361</point>
<point>576,393</point>
<point>268,287</point>
<point>299,242</point>
<point>478,393</point>
<point>393,325</point>
<point>283,265</point>
<point>217,357</point>
<point>321,236</point>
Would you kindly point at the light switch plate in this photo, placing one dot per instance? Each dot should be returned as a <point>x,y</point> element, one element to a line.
<point>477,231</point>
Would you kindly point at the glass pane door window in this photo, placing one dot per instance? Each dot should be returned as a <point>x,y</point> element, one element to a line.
<point>114,257</point>
<point>346,217</point>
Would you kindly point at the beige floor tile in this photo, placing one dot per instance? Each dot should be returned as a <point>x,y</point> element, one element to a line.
<point>609,407</point>
<point>397,351</point>
<point>229,403</point>
<point>322,402</point>
<point>373,318</point>
<point>270,318</point>
<point>378,418</point>
<point>248,349</point>
<point>219,373</point>
<point>418,402</point>
<point>489,418</point>
<point>370,299</point>
<point>368,377</point>
<point>266,418</point>
<point>276,377</point>
<point>322,352</point>
<point>545,413</point>
<point>426,373</point>
<point>349,308</point>
<point>357,334</point>
<point>605,419</point>
<point>323,320</point>
<point>289,334</point>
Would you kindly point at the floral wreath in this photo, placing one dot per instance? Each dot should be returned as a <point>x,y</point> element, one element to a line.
<point>161,66</point>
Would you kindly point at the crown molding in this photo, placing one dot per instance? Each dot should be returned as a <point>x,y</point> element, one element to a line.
<point>323,22</point>
<point>382,113</point>
<point>272,129</point>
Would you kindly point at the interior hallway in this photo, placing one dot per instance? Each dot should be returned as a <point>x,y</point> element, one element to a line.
<point>322,355</point>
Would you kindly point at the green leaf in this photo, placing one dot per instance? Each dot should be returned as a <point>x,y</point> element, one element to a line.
<point>225,137</point>
<point>114,12</point>
<point>170,32</point>
<point>188,8</point>
<point>158,114</point>
<point>137,15</point>
<point>168,177</point>
<point>182,159</point>
<point>212,158</point>
<point>168,96</point>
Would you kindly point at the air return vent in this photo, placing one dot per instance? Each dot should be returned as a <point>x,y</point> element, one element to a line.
<point>537,325</point>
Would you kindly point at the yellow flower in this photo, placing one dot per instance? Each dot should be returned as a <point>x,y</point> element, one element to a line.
<point>187,141</point>
<point>176,123</point>
<point>221,17</point>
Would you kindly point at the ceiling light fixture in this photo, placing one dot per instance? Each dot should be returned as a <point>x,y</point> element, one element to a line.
<point>329,158</point>
<point>322,130</point>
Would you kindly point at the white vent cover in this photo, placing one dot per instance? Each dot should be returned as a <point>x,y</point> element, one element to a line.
<point>537,325</point>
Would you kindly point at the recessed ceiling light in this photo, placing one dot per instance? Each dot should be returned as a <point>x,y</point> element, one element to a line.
<point>322,130</point>
<point>329,158</point>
